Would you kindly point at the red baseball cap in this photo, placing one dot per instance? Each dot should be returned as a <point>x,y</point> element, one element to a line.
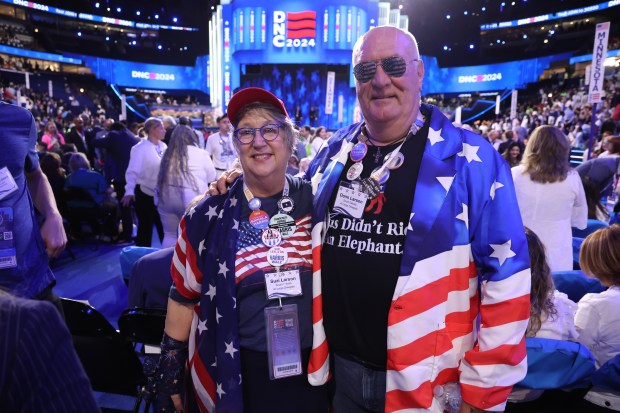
<point>251,95</point>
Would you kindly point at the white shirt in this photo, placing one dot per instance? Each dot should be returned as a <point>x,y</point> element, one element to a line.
<point>316,146</point>
<point>143,168</point>
<point>221,149</point>
<point>561,326</point>
<point>598,323</point>
<point>550,210</point>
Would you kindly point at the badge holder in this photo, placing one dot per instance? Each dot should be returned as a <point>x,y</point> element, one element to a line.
<point>8,254</point>
<point>283,345</point>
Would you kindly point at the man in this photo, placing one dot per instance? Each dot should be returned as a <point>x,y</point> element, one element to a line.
<point>150,282</point>
<point>169,125</point>
<point>494,139</point>
<point>25,250</point>
<point>510,137</point>
<point>220,146</point>
<point>76,135</point>
<point>117,144</point>
<point>304,142</point>
<point>421,279</point>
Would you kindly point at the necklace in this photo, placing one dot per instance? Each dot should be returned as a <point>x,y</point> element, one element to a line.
<point>377,156</point>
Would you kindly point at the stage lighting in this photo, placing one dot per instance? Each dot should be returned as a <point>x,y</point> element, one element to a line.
<point>79,34</point>
<point>445,48</point>
<point>174,19</point>
<point>157,16</point>
<point>471,46</point>
<point>465,12</point>
<point>448,16</point>
<point>97,5</point>
<point>159,46</point>
<point>107,38</point>
<point>118,9</point>
<point>137,12</point>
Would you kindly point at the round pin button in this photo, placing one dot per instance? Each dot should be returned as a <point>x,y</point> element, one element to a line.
<point>254,204</point>
<point>277,256</point>
<point>355,171</point>
<point>284,223</point>
<point>358,151</point>
<point>286,204</point>
<point>394,163</point>
<point>271,237</point>
<point>381,175</point>
<point>259,219</point>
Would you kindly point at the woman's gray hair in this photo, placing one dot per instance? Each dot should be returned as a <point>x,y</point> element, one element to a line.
<point>150,122</point>
<point>270,112</point>
<point>174,164</point>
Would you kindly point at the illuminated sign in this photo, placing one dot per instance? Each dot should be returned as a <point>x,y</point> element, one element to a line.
<point>551,16</point>
<point>294,29</point>
<point>488,77</point>
<point>136,74</point>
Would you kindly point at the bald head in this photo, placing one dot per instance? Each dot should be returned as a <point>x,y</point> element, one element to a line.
<point>388,90</point>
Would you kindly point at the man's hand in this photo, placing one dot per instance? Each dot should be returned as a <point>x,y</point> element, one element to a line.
<point>220,186</point>
<point>53,234</point>
<point>127,200</point>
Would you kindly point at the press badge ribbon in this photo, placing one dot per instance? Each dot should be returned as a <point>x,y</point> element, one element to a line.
<point>8,255</point>
<point>282,284</point>
<point>350,201</point>
<point>7,183</point>
<point>283,347</point>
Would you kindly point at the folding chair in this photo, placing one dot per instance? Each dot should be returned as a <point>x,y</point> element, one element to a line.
<point>108,359</point>
<point>142,325</point>
<point>575,284</point>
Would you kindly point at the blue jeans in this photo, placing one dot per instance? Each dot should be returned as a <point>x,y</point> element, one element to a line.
<point>359,389</point>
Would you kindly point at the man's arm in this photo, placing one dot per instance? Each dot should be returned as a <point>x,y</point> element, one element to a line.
<point>52,230</point>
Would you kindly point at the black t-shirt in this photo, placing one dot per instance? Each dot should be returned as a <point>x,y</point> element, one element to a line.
<point>361,257</point>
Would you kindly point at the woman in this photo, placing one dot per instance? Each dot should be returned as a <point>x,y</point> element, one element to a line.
<point>243,258</point>
<point>56,175</point>
<point>596,209</point>
<point>316,141</point>
<point>52,139</point>
<point>551,312</point>
<point>550,196</point>
<point>512,154</point>
<point>184,173</point>
<point>141,178</point>
<point>597,319</point>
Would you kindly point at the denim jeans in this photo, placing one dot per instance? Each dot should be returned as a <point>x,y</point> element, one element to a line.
<point>358,388</point>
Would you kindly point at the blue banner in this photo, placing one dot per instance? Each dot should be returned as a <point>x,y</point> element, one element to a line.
<point>32,54</point>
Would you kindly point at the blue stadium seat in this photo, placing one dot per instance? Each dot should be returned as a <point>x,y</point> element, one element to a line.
<point>129,255</point>
<point>593,225</point>
<point>575,284</point>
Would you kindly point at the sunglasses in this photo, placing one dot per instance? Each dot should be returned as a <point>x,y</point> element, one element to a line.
<point>394,66</point>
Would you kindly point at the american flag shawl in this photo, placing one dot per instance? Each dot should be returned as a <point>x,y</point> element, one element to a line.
<point>203,269</point>
<point>461,303</point>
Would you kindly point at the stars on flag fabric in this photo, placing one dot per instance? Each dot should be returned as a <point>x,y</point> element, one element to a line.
<point>461,303</point>
<point>203,270</point>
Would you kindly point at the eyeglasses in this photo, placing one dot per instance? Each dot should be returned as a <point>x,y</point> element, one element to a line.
<point>394,66</point>
<point>269,132</point>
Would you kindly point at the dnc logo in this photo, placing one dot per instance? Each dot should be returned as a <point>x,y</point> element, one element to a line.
<point>294,29</point>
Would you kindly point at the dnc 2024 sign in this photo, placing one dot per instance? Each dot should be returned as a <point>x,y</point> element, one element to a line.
<point>294,29</point>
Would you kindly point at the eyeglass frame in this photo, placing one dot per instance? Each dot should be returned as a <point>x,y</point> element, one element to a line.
<point>378,62</point>
<point>254,130</point>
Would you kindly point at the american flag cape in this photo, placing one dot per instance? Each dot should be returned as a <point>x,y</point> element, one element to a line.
<point>203,269</point>
<point>461,304</point>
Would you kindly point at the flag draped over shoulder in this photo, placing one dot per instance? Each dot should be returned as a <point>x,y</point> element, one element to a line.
<point>203,269</point>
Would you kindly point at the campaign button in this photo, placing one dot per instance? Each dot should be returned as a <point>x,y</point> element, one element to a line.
<point>355,171</point>
<point>286,204</point>
<point>284,223</point>
<point>358,152</point>
<point>277,256</point>
<point>395,162</point>
<point>254,204</point>
<point>259,219</point>
<point>271,237</point>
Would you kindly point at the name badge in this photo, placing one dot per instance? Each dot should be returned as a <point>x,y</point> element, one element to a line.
<point>350,201</point>
<point>283,346</point>
<point>282,284</point>
<point>7,183</point>
<point>8,254</point>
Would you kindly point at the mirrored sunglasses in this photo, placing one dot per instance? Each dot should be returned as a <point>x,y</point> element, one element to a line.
<point>394,66</point>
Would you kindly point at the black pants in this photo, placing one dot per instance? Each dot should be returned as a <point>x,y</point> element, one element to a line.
<point>125,211</point>
<point>147,216</point>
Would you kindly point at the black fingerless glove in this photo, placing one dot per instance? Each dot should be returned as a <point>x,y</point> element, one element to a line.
<point>164,374</point>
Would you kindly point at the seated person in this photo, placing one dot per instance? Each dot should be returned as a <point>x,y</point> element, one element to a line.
<point>42,372</point>
<point>95,185</point>
<point>597,318</point>
<point>551,312</point>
